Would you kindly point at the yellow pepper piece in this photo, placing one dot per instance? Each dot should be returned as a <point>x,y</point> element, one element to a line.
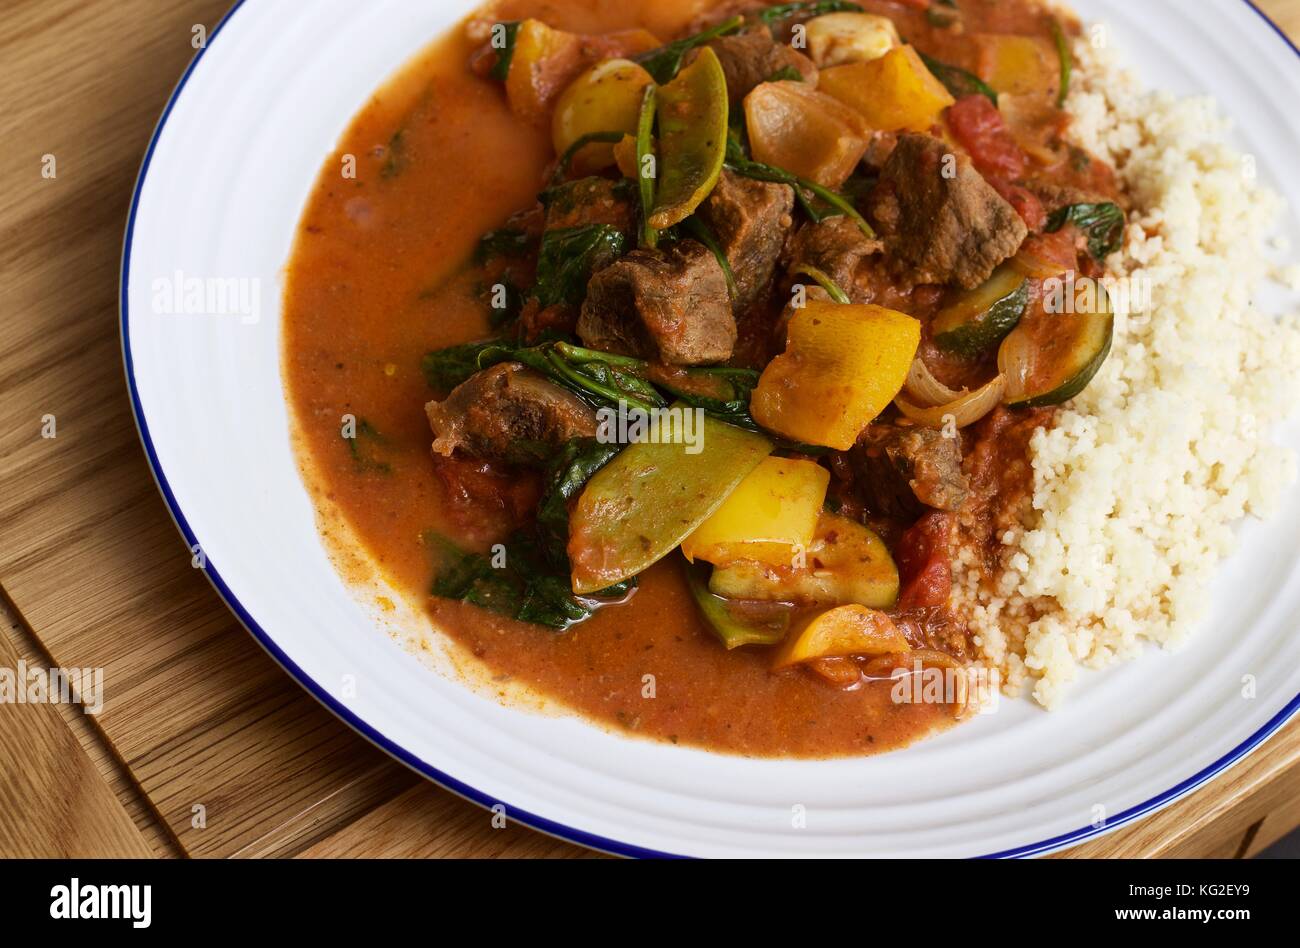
<point>1019,65</point>
<point>839,632</point>
<point>841,366</point>
<point>625,156</point>
<point>893,92</point>
<point>692,111</point>
<point>769,517</point>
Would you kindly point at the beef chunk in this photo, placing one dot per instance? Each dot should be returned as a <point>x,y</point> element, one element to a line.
<point>837,247</point>
<point>508,413</point>
<point>591,201</point>
<point>942,228</point>
<point>668,306</point>
<point>899,471</point>
<point>753,57</point>
<point>750,219</point>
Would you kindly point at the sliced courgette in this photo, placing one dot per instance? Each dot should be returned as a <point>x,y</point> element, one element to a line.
<point>846,563</point>
<point>1052,356</point>
<point>737,624</point>
<point>981,318</point>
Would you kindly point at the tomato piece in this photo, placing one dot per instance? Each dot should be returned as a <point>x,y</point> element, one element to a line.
<point>486,501</point>
<point>981,130</point>
<point>1026,203</point>
<point>1057,249</point>
<point>924,566</point>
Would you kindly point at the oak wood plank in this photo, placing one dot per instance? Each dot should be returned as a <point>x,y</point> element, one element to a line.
<point>196,713</point>
<point>59,805</point>
<point>1280,822</point>
<point>427,822</point>
<point>96,747</point>
<point>1214,820</point>
<point>88,554</point>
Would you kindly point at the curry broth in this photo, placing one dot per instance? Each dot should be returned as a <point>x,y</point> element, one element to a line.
<point>372,286</point>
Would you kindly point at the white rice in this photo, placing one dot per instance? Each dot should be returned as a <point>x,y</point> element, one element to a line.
<point>1138,486</point>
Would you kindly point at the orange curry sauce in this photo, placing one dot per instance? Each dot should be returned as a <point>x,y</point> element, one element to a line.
<point>374,283</point>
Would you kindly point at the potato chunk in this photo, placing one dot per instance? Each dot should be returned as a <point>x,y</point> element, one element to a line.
<point>805,132</point>
<point>605,98</point>
<point>839,38</point>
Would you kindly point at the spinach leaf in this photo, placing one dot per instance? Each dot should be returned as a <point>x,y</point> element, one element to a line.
<point>568,258</point>
<point>397,159</point>
<point>447,368</point>
<point>501,69</point>
<point>566,475</point>
<point>568,197</point>
<point>958,81</point>
<point>457,570</point>
<point>785,11</point>
<point>665,62</point>
<point>505,242</point>
<point>363,459</point>
<point>722,392</point>
<point>528,579</point>
<point>1103,223</point>
<point>604,379</point>
<point>501,316</point>
<point>599,378</point>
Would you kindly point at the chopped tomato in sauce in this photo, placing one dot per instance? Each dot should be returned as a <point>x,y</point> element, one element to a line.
<point>981,130</point>
<point>924,564</point>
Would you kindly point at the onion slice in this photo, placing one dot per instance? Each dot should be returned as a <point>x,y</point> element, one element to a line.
<point>925,389</point>
<point>965,410</point>
<point>1035,267</point>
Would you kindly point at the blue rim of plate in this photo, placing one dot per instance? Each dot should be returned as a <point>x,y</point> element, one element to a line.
<point>449,782</point>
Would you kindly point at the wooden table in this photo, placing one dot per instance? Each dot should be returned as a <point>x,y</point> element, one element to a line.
<point>205,747</point>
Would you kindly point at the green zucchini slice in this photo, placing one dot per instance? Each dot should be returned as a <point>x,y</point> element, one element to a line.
<point>1052,356</point>
<point>981,318</point>
<point>737,624</point>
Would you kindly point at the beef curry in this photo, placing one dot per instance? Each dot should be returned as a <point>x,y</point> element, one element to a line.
<point>728,326</point>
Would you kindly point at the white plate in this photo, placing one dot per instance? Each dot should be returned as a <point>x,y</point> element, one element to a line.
<point>220,193</point>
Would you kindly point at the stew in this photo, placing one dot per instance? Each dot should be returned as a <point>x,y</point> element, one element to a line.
<point>728,332</point>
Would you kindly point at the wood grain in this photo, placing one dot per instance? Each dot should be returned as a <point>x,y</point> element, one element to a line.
<point>196,715</point>
<point>56,801</point>
<point>195,710</point>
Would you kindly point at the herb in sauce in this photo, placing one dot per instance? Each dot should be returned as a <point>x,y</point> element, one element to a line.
<point>527,577</point>
<point>568,258</point>
<point>1103,223</point>
<point>665,62</point>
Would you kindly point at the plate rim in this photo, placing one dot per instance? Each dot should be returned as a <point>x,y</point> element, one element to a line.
<point>446,780</point>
